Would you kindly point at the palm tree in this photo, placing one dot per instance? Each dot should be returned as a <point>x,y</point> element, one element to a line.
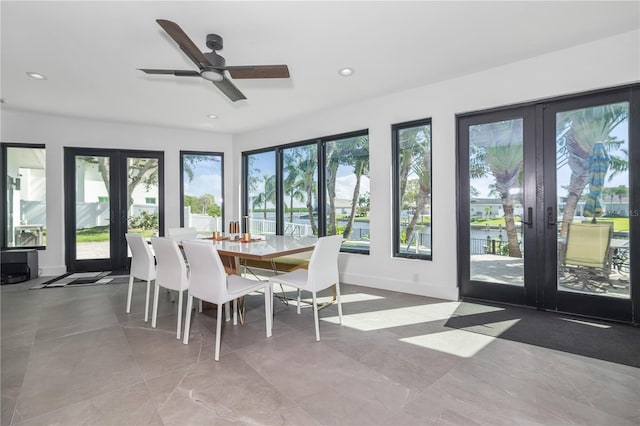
<point>577,132</point>
<point>333,159</point>
<point>306,170</point>
<point>293,183</point>
<point>415,160</point>
<point>360,160</point>
<point>498,150</point>
<point>268,195</point>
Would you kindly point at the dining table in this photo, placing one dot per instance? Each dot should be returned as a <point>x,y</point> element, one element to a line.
<point>235,252</point>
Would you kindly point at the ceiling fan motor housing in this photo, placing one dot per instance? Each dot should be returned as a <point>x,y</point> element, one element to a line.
<point>214,41</point>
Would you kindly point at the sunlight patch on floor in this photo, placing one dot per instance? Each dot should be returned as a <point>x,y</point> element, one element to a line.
<point>398,317</point>
<point>589,323</point>
<point>460,343</point>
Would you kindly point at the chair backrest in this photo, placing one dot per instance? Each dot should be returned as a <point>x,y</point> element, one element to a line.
<point>182,234</point>
<point>171,271</point>
<point>323,265</point>
<point>143,264</point>
<point>588,244</point>
<point>208,279</point>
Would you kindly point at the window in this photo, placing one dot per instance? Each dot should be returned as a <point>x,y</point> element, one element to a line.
<point>202,191</point>
<point>300,190</point>
<point>24,206</point>
<point>318,187</point>
<point>260,190</point>
<point>347,190</point>
<point>412,189</point>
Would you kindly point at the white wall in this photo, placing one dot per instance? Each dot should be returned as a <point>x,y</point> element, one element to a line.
<point>608,62</point>
<point>57,132</point>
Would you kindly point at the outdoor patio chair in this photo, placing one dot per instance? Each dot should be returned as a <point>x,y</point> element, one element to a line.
<point>210,282</point>
<point>586,257</point>
<point>321,273</point>
<point>143,266</point>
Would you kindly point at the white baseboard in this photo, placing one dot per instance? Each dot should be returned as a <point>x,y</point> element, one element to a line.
<point>446,292</point>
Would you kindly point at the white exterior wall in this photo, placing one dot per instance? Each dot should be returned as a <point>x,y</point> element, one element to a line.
<point>57,132</point>
<point>605,63</point>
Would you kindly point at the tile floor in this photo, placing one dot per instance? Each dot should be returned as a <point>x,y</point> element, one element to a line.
<point>72,356</point>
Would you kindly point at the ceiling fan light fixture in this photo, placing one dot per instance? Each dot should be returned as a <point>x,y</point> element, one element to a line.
<point>36,76</point>
<point>212,75</point>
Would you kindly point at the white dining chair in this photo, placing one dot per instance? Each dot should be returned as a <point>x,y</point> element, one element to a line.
<point>210,282</point>
<point>182,234</point>
<point>143,267</point>
<point>322,273</point>
<point>172,274</point>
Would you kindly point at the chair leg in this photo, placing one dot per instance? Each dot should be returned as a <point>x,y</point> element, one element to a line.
<point>146,302</point>
<point>268,299</point>
<point>129,293</point>
<point>235,311</point>
<point>339,301</point>
<point>187,320</point>
<point>179,314</point>
<point>299,299</point>
<point>315,316</point>
<point>218,333</point>
<point>154,315</point>
<point>200,306</point>
<point>227,312</point>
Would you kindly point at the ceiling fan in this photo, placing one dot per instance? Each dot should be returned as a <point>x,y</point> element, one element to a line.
<point>212,66</point>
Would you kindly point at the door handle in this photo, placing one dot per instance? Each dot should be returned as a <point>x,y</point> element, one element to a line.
<point>551,220</point>
<point>529,221</point>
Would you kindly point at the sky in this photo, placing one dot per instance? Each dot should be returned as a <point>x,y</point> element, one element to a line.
<point>206,180</point>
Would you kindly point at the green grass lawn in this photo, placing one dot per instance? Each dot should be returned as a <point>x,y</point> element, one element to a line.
<point>101,233</point>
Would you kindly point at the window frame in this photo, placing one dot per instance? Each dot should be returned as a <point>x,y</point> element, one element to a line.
<point>3,181</point>
<point>203,153</point>
<point>396,200</point>
<point>321,143</point>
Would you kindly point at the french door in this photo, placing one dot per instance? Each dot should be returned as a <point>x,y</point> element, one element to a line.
<point>107,194</point>
<point>548,205</point>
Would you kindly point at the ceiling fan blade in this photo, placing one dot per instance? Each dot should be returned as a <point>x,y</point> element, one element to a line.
<point>229,89</point>
<point>179,73</point>
<point>185,43</point>
<point>259,71</point>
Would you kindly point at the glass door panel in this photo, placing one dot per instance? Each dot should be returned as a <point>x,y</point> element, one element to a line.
<point>142,204</point>
<point>496,204</point>
<point>92,207</point>
<point>592,186</point>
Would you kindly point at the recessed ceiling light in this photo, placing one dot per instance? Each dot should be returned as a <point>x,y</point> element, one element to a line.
<point>346,72</point>
<point>36,76</point>
<point>212,116</point>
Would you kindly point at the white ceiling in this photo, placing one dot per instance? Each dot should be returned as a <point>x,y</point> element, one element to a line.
<point>90,52</point>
